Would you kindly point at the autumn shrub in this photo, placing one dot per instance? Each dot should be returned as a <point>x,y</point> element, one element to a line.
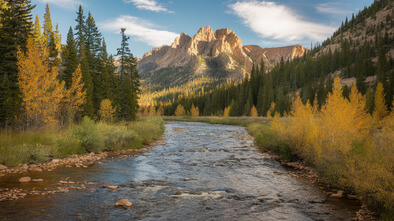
<point>351,149</point>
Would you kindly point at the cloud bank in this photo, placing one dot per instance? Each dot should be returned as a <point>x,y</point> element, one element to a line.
<point>271,20</point>
<point>334,8</point>
<point>150,5</point>
<point>142,30</point>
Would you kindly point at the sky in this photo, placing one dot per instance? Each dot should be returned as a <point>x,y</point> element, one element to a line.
<point>153,23</point>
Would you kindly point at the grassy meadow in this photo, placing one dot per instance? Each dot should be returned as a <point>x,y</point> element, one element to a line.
<point>37,146</point>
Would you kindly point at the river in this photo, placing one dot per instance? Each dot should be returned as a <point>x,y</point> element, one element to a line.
<point>229,180</point>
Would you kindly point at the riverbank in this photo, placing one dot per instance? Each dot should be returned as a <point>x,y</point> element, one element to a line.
<point>278,149</point>
<point>77,145</point>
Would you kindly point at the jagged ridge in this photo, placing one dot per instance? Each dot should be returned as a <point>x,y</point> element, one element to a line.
<point>217,54</point>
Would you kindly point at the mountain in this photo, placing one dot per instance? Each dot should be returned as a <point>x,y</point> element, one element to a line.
<point>218,55</point>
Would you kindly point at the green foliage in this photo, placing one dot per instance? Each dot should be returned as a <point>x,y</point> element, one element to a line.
<point>42,145</point>
<point>90,136</point>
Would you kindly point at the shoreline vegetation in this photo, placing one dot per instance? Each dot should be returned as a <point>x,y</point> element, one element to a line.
<point>18,148</point>
<point>350,149</point>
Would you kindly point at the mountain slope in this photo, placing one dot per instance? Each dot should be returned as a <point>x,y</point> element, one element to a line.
<point>219,55</point>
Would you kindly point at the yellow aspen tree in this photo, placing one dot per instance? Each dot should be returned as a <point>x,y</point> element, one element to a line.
<point>152,111</point>
<point>106,110</point>
<point>337,122</point>
<point>41,91</point>
<point>361,119</point>
<point>160,111</point>
<point>380,110</point>
<point>253,112</point>
<point>271,111</point>
<point>226,111</point>
<point>75,96</point>
<point>180,110</point>
<point>195,112</point>
<point>58,39</point>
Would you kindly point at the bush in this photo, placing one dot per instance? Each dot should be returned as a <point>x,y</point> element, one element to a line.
<point>89,136</point>
<point>115,136</point>
<point>148,129</point>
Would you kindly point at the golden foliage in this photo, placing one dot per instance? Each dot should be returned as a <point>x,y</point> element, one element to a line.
<point>152,111</point>
<point>106,110</point>
<point>160,110</point>
<point>380,110</point>
<point>226,111</point>
<point>195,112</point>
<point>343,144</point>
<point>41,91</point>
<point>74,97</point>
<point>253,112</point>
<point>180,110</point>
<point>271,111</point>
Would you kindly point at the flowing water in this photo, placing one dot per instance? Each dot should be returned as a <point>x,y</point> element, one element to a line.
<point>229,180</point>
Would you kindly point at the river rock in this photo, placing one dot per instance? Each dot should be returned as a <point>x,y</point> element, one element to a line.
<point>55,161</point>
<point>187,179</point>
<point>112,187</point>
<point>339,194</point>
<point>25,179</point>
<point>35,169</point>
<point>37,180</point>
<point>2,167</point>
<point>124,203</point>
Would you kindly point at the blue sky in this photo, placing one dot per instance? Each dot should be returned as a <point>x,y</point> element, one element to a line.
<point>152,23</point>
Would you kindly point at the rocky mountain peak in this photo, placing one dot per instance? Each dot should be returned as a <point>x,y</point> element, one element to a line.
<point>205,34</point>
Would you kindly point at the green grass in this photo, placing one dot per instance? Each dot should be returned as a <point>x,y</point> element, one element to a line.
<point>39,146</point>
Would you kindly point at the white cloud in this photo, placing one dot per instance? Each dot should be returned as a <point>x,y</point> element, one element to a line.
<point>150,5</point>
<point>70,4</point>
<point>143,31</point>
<point>334,8</point>
<point>279,22</point>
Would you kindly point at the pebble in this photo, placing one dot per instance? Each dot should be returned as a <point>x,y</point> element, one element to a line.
<point>25,179</point>
<point>123,203</point>
<point>112,187</point>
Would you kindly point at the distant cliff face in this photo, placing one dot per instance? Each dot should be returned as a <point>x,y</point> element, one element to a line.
<point>219,55</point>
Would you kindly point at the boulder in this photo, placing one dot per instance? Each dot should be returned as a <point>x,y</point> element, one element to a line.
<point>25,179</point>
<point>123,203</point>
<point>2,167</point>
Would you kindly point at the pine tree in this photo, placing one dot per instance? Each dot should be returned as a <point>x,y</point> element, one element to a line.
<point>70,58</point>
<point>88,107</point>
<point>38,38</point>
<point>129,81</point>
<point>48,28</point>
<point>15,29</point>
<point>80,30</point>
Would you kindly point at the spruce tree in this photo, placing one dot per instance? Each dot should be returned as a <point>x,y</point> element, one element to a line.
<point>15,28</point>
<point>70,58</point>
<point>129,81</point>
<point>80,30</point>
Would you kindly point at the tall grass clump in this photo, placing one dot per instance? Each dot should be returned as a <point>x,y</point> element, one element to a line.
<point>89,136</point>
<point>148,129</point>
<point>350,148</point>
